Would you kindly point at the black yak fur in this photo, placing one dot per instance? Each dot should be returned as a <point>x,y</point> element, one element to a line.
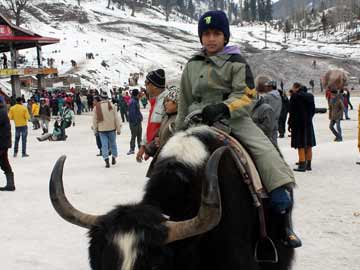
<point>174,189</point>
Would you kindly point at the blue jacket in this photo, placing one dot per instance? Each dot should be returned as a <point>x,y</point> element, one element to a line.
<point>135,116</point>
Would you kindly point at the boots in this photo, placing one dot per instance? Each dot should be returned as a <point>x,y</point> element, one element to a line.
<point>301,167</point>
<point>10,186</point>
<point>107,163</point>
<point>308,165</point>
<point>113,160</point>
<point>289,238</point>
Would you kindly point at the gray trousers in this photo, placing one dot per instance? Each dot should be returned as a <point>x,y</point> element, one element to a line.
<point>136,133</point>
<point>272,168</point>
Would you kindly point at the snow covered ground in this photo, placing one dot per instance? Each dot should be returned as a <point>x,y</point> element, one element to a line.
<point>34,237</point>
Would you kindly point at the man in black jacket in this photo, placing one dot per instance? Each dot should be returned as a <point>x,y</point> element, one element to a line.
<point>5,144</point>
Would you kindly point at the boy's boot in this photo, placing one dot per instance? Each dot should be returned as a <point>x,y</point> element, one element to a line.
<point>113,160</point>
<point>10,186</point>
<point>301,167</point>
<point>308,165</point>
<point>289,239</point>
<point>107,163</point>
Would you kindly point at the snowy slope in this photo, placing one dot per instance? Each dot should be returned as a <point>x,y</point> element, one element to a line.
<point>34,237</point>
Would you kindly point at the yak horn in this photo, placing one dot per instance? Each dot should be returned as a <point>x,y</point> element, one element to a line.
<point>209,214</point>
<point>61,204</point>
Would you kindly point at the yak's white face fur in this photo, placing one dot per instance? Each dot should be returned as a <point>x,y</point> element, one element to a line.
<point>127,244</point>
<point>187,149</point>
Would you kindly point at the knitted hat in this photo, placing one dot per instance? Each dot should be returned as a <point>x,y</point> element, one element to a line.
<point>215,19</point>
<point>173,93</point>
<point>157,78</point>
<point>135,92</point>
<point>103,95</point>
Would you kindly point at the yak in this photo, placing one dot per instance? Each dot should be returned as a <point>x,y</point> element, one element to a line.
<point>196,213</point>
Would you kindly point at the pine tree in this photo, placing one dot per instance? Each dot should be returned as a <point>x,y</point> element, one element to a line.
<point>261,10</point>
<point>191,9</point>
<point>324,22</point>
<point>268,10</point>
<point>246,11</point>
<point>253,10</point>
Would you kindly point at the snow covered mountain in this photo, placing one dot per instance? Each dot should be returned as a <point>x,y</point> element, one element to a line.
<point>124,44</point>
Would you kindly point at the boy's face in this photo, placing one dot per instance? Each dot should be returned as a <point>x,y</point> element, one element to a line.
<point>170,106</point>
<point>213,41</point>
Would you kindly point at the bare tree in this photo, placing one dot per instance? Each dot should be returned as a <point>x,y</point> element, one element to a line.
<point>16,7</point>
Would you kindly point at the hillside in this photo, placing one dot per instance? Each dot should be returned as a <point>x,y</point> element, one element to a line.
<point>123,44</point>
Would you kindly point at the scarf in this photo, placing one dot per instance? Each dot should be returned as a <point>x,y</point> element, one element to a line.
<point>99,114</point>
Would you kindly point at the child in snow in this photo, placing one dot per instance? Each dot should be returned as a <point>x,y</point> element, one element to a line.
<point>167,127</point>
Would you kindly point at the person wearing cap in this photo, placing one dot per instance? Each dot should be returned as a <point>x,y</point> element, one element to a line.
<point>267,89</point>
<point>155,87</point>
<point>5,144</point>
<point>135,119</point>
<point>44,115</point>
<point>20,115</point>
<point>107,123</point>
<point>167,127</point>
<point>263,114</point>
<point>302,110</point>
<point>219,81</point>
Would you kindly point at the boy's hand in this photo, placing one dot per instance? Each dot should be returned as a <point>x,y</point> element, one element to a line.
<point>213,113</point>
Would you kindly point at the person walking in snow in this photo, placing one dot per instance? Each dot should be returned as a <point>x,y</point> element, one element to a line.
<point>135,119</point>
<point>107,122</point>
<point>5,144</point>
<point>345,98</point>
<point>302,110</point>
<point>336,110</point>
<point>123,107</point>
<point>334,81</point>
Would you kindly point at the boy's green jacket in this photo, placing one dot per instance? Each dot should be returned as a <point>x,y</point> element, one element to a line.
<point>225,77</point>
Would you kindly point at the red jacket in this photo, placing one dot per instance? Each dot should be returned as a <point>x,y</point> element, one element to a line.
<point>152,127</point>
